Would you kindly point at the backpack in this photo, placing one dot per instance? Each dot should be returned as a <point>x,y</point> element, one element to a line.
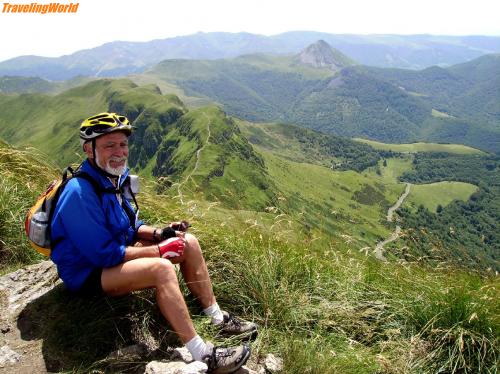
<point>39,217</point>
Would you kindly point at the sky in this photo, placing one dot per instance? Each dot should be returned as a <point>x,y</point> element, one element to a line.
<point>99,21</point>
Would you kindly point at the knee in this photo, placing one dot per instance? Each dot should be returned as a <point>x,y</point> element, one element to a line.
<point>192,243</point>
<point>163,270</point>
<point>192,251</point>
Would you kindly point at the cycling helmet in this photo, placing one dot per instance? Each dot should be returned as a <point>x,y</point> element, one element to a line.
<point>104,123</point>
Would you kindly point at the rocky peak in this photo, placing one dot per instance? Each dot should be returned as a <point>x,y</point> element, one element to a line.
<point>322,55</point>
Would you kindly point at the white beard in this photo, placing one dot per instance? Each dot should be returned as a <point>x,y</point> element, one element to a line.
<point>108,169</point>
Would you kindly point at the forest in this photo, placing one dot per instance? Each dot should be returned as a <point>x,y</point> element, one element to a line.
<point>465,231</point>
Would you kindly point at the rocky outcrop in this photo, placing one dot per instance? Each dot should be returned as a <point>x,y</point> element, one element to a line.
<point>17,290</point>
<point>321,55</point>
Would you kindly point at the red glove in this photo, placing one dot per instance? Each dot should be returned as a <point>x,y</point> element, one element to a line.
<point>172,247</point>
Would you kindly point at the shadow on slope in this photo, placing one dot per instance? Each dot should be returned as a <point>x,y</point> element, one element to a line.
<point>81,334</point>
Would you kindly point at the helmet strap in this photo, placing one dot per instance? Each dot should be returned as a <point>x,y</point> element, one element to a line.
<point>94,154</point>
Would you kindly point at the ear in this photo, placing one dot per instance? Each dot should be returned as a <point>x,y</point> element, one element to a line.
<point>87,148</point>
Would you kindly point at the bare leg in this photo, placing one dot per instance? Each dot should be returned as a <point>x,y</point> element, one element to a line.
<point>158,273</point>
<point>195,272</point>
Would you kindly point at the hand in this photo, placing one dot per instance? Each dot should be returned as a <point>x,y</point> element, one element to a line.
<point>171,231</point>
<point>172,247</point>
<point>180,226</point>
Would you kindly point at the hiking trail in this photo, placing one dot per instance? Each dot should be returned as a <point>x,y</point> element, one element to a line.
<point>379,249</point>
<point>179,192</point>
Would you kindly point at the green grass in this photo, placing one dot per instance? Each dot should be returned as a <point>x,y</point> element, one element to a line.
<point>394,169</point>
<point>421,147</point>
<point>24,174</point>
<point>441,193</point>
<point>321,305</point>
<point>436,113</point>
<point>323,200</point>
<point>170,88</point>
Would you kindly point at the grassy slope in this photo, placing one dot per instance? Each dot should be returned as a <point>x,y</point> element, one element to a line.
<point>321,305</point>
<point>226,170</point>
<point>350,206</point>
<point>168,87</point>
<point>48,123</point>
<point>441,193</point>
<point>24,174</point>
<point>325,199</point>
<point>421,147</point>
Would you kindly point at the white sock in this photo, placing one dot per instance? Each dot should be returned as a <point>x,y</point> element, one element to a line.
<point>214,312</point>
<point>198,348</point>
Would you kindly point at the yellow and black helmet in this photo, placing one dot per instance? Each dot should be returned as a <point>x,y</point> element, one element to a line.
<point>104,123</point>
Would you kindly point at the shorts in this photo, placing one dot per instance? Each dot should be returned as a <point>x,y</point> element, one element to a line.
<point>92,285</point>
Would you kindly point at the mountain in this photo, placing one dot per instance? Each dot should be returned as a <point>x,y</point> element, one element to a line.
<point>121,58</point>
<point>256,87</point>
<point>465,99</point>
<point>458,104</point>
<point>324,186</point>
<point>164,144</point>
<point>322,55</point>
<point>199,153</point>
<point>19,85</point>
<point>10,84</point>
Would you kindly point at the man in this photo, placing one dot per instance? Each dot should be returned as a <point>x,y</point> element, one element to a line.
<point>101,247</point>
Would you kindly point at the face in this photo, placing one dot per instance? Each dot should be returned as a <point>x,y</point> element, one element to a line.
<point>111,152</point>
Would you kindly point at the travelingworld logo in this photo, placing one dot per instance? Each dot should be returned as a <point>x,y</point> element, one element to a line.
<point>40,8</point>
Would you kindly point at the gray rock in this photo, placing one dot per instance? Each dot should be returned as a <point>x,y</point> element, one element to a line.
<point>157,367</point>
<point>27,284</point>
<point>8,356</point>
<point>273,364</point>
<point>183,354</point>
<point>176,367</point>
<point>195,367</point>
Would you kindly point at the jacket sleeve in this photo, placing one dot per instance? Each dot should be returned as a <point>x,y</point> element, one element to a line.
<point>84,221</point>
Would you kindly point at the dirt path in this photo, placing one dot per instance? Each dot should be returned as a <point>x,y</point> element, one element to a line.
<point>379,249</point>
<point>179,192</point>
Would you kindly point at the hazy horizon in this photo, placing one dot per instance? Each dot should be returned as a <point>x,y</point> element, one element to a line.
<point>99,22</point>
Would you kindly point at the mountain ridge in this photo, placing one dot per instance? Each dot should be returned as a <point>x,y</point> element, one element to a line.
<point>121,57</point>
<point>390,105</point>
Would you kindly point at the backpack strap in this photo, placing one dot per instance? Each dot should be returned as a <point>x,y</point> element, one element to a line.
<point>97,188</point>
<point>78,174</point>
<point>100,190</point>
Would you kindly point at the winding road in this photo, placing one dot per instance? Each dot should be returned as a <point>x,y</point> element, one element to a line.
<point>379,249</point>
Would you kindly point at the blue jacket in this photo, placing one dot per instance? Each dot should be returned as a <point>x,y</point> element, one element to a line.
<point>89,231</point>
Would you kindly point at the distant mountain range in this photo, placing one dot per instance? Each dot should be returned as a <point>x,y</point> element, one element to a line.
<point>323,89</point>
<point>121,58</point>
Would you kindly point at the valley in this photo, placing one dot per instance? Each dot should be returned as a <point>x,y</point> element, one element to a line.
<point>352,211</point>
<point>329,187</point>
